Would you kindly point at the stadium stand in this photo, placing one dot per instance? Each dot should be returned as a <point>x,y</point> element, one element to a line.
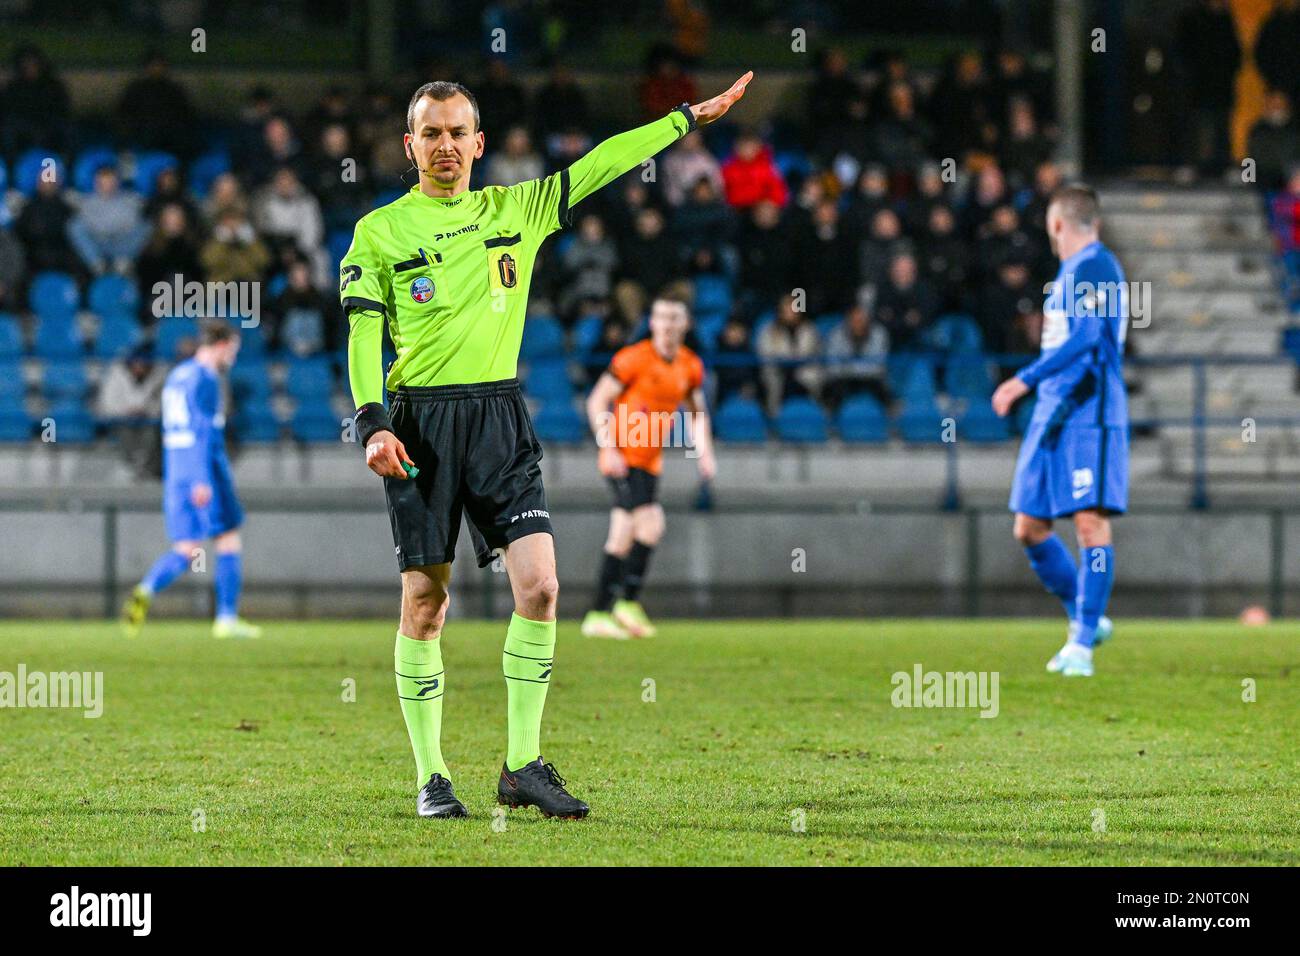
<point>917,292</point>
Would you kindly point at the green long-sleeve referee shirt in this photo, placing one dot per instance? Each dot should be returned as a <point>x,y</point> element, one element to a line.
<point>451,274</point>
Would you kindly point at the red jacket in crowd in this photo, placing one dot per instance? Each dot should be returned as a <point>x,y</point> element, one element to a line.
<point>749,181</point>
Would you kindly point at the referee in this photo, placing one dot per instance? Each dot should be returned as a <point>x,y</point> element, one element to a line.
<point>448,268</point>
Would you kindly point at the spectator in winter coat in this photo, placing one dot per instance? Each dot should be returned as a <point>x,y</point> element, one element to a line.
<point>686,163</point>
<point>109,229</point>
<point>750,175</point>
<point>790,337</point>
<point>289,218</point>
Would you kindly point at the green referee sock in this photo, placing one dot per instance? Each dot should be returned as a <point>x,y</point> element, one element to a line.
<point>420,680</point>
<point>529,653</point>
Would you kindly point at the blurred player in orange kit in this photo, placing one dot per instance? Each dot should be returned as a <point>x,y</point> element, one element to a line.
<point>632,411</point>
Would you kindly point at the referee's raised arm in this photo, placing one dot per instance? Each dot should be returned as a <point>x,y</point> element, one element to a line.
<point>548,202</point>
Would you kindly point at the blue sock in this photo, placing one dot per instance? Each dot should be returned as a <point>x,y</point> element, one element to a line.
<point>1054,565</point>
<point>230,578</point>
<point>165,570</point>
<point>1096,575</point>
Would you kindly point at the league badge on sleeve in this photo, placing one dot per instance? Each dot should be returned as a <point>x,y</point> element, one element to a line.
<point>422,289</point>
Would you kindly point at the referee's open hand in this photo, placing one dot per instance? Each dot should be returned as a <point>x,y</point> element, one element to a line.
<point>385,454</point>
<point>714,109</point>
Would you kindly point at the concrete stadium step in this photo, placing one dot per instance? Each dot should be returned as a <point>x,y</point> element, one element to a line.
<point>1219,339</point>
<point>1278,405</point>
<point>1217,200</point>
<point>1184,231</point>
<point>1191,270</point>
<point>1180,308</point>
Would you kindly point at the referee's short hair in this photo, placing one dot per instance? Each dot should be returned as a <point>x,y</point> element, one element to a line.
<point>440,90</point>
<point>215,331</point>
<point>1078,205</point>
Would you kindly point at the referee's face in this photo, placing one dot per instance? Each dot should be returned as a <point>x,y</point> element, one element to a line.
<point>444,144</point>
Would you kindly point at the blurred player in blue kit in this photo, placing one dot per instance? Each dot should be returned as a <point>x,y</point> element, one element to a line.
<point>1074,458</point>
<point>199,500</point>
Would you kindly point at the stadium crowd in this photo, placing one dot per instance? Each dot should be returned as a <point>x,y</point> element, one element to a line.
<point>904,213</point>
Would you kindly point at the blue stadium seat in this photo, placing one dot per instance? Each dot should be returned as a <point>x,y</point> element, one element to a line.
<point>72,423</point>
<point>1291,342</point>
<point>793,162</point>
<point>543,339</point>
<point>118,334</point>
<point>11,336</point>
<point>53,294</point>
<point>57,338</point>
<point>911,377</point>
<point>311,380</point>
<point>250,379</point>
<point>255,422</point>
<point>89,162</point>
<point>15,426</point>
<point>4,176</point>
<point>257,430</point>
<point>955,333</point>
<point>862,420</point>
<point>562,243</point>
<point>586,334</point>
<point>921,423</point>
<point>169,334</point>
<point>317,426</point>
<point>28,169</point>
<point>148,166</point>
<point>981,424</point>
<point>113,294</point>
<point>708,329</point>
<point>277,284</point>
<point>548,380</point>
<point>64,379</point>
<point>338,243</point>
<point>11,378</point>
<point>712,295</point>
<point>252,344</point>
<point>826,324</point>
<point>801,420</point>
<point>763,320</point>
<point>967,376</point>
<point>388,195</point>
<point>204,170</point>
<point>740,420</point>
<point>559,422</point>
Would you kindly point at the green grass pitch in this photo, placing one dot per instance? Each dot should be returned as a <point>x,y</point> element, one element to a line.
<point>753,725</point>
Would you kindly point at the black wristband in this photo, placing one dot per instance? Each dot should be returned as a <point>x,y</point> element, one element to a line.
<point>371,417</point>
<point>685,110</point>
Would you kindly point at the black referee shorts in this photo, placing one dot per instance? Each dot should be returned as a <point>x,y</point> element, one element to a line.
<point>639,487</point>
<point>477,452</point>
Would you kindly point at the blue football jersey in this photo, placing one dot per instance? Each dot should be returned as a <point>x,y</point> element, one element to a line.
<point>1079,375</point>
<point>193,424</point>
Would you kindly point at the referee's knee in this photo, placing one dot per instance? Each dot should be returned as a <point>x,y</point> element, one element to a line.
<point>424,610</point>
<point>539,597</point>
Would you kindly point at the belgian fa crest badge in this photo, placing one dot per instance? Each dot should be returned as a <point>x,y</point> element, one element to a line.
<point>507,271</point>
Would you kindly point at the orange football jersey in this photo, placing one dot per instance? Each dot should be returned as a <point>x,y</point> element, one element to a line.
<point>652,390</point>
